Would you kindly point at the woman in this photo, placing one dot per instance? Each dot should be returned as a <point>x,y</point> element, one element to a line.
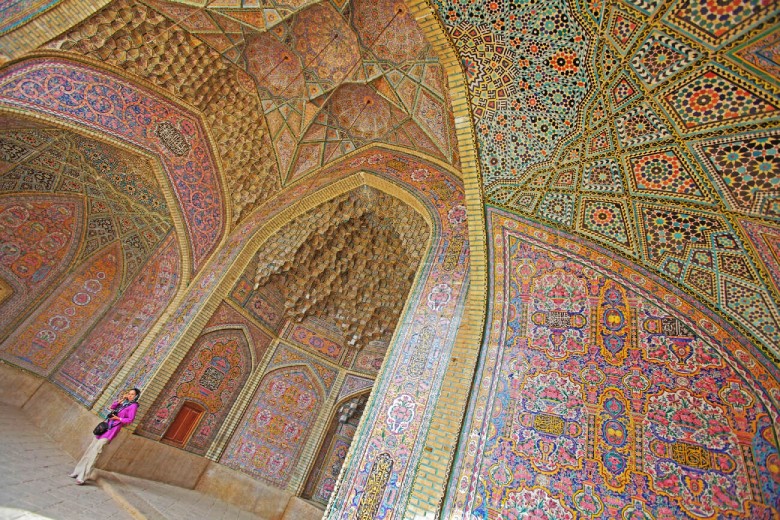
<point>122,412</point>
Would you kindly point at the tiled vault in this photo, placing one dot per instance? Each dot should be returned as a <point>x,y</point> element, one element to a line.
<point>546,233</point>
<point>285,90</point>
<point>648,127</point>
<point>64,197</point>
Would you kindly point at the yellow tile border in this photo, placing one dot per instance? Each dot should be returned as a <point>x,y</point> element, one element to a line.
<point>433,470</point>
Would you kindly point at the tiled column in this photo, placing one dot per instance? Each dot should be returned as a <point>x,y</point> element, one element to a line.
<point>309,453</point>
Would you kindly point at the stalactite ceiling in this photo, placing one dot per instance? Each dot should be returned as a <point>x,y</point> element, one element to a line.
<point>285,90</point>
<point>349,263</point>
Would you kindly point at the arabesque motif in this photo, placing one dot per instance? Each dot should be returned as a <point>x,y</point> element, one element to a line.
<point>103,102</point>
<point>661,411</point>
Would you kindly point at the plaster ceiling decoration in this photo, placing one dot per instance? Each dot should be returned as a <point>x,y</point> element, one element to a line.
<point>349,264</point>
<point>651,130</point>
<point>306,57</point>
<point>147,45</point>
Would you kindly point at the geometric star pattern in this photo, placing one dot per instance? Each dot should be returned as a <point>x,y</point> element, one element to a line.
<point>663,172</point>
<point>329,77</point>
<point>640,126</point>
<point>745,169</point>
<point>670,122</point>
<point>712,98</point>
<point>608,220</point>
<point>661,57</point>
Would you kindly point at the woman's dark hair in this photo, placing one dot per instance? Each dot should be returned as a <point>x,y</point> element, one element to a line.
<point>137,394</point>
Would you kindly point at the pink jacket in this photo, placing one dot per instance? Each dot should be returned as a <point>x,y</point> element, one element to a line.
<point>125,416</point>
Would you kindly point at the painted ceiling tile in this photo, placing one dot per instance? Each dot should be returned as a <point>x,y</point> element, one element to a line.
<point>623,29</point>
<point>608,221</point>
<point>744,169</point>
<point>640,126</point>
<point>661,172</point>
<point>713,98</point>
<point>714,24</point>
<point>660,57</point>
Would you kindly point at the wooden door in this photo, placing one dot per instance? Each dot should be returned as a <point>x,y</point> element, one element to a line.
<point>180,430</point>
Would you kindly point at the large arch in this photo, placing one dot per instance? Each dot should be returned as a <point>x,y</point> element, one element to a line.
<point>97,101</point>
<point>69,192</point>
<point>433,311</point>
<point>593,177</point>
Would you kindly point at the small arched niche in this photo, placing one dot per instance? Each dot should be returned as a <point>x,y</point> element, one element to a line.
<point>334,447</point>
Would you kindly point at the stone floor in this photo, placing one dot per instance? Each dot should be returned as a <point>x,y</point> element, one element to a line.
<point>34,484</point>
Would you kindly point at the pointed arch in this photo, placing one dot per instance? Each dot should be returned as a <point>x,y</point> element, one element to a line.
<point>212,375</point>
<point>276,425</point>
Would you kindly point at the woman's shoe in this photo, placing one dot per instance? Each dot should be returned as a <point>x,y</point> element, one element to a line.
<point>79,482</point>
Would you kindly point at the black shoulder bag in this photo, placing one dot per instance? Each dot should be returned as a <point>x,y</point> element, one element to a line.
<point>103,426</point>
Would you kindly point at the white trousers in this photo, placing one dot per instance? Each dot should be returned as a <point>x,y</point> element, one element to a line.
<point>84,466</point>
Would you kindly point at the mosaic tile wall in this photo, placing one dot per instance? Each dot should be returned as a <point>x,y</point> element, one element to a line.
<point>100,355</point>
<point>280,417</point>
<point>212,375</point>
<point>649,127</point>
<point>101,101</point>
<point>48,334</point>
<point>604,393</point>
<point>63,197</point>
<point>333,452</point>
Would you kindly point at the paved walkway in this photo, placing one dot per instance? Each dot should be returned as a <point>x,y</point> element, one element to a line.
<point>34,484</point>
